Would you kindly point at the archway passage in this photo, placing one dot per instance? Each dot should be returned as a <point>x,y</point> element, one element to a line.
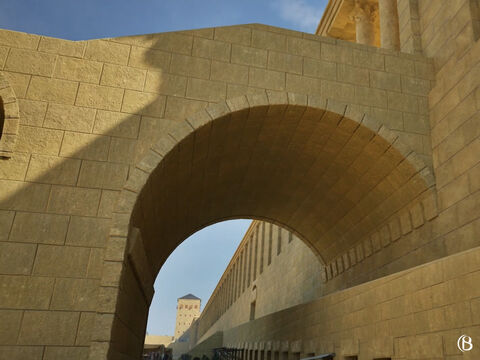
<point>319,168</point>
<point>321,171</point>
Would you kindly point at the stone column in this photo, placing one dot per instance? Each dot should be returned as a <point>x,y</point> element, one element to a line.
<point>364,16</point>
<point>389,29</point>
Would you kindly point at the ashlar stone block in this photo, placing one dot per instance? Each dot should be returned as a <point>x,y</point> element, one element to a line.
<point>61,261</point>
<point>48,328</point>
<point>78,70</point>
<point>39,228</point>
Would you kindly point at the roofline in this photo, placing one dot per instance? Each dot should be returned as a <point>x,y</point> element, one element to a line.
<point>328,17</point>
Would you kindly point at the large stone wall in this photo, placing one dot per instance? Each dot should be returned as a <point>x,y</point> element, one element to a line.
<point>281,272</point>
<point>99,118</point>
<point>415,314</point>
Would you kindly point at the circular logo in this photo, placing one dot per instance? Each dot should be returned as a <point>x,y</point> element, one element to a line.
<point>464,343</point>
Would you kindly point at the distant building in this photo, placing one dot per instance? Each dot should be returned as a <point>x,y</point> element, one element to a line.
<point>188,309</point>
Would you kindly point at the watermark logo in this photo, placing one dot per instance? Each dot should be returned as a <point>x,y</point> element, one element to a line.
<point>464,343</point>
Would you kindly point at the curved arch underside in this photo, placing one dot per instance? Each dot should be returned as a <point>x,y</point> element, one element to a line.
<point>323,174</point>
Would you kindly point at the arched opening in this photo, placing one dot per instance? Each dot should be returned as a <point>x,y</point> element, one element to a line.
<point>320,169</point>
<point>229,269</point>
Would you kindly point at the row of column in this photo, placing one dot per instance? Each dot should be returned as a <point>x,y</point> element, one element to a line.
<point>247,354</point>
<point>246,267</point>
<point>364,16</point>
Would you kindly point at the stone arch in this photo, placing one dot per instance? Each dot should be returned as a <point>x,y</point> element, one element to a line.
<point>320,168</point>
<point>9,118</point>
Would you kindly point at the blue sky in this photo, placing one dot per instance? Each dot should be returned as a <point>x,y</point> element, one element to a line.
<point>197,264</point>
<point>87,19</point>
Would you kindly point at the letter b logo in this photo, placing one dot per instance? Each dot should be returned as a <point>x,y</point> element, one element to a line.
<point>464,343</point>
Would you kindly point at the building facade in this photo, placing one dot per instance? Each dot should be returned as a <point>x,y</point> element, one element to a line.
<point>188,310</point>
<point>114,151</point>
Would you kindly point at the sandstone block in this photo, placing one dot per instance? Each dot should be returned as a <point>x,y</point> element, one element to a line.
<point>53,170</point>
<point>25,292</point>
<point>229,72</point>
<point>385,80</point>
<point>68,117</point>
<point>19,39</point>
<point>116,124</point>
<point>303,47</point>
<point>85,328</point>
<point>39,140</point>
<point>66,353</point>
<point>239,90</point>
<point>236,35</point>
<point>3,55</point>
<point>74,201</point>
<point>353,75</point>
<point>75,294</point>
<point>415,123</point>
<point>39,228</point>
<point>9,326</point>
<point>62,47</point>
<point>85,146</point>
<point>370,97</point>
<point>95,263</point>
<point>178,108</point>
<point>123,76</point>
<point>174,42</point>
<point>339,91</point>
<point>16,259</point>
<point>269,40</point>
<point>107,51</point>
<point>285,62</point>
<point>18,82</point>
<point>190,66</point>
<point>403,102</point>
<point>21,352</point>
<point>102,175</point>
<point>32,112</point>
<point>167,84</point>
<point>87,231</point>
<point>99,97</point>
<point>368,60</point>
<point>15,168</point>
<point>399,65</point>
<point>415,86</point>
<point>211,49</point>
<point>6,221</point>
<point>30,62</point>
<point>136,102</point>
<point>206,90</point>
<point>267,79</point>
<point>245,55</point>
<point>107,203</point>
<point>337,54</point>
<point>122,151</point>
<point>65,261</point>
<point>24,196</point>
<point>78,70</point>
<point>149,59</point>
<point>301,84</point>
<point>48,328</point>
<point>54,90</point>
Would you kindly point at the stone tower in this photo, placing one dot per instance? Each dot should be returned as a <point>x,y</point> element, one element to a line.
<point>188,309</point>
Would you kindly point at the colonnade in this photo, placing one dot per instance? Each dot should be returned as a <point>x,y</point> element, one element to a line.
<point>364,15</point>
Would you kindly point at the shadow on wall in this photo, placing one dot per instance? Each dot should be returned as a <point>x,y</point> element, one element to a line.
<point>56,208</point>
